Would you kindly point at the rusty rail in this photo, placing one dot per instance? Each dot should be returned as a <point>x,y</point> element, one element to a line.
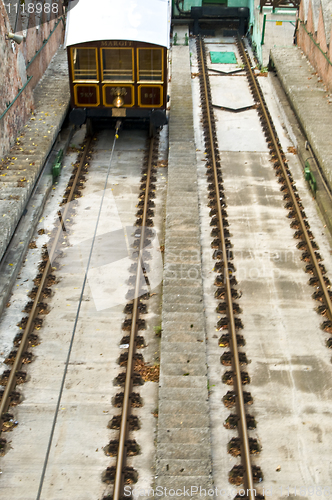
<point>121,455</point>
<point>243,432</point>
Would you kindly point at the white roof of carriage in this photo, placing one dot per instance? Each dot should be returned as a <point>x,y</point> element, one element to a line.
<point>139,20</point>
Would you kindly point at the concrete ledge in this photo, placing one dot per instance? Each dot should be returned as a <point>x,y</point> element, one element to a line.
<point>23,163</point>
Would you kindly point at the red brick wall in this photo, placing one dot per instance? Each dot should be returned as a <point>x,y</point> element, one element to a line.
<point>13,59</point>
<point>313,53</point>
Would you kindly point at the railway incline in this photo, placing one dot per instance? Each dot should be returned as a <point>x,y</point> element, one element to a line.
<point>183,450</point>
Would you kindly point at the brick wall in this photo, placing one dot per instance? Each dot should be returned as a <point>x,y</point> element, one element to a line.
<point>319,33</point>
<point>13,61</point>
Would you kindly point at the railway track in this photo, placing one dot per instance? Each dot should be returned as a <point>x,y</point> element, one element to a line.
<point>248,473</point>
<point>133,368</point>
<point>307,245</point>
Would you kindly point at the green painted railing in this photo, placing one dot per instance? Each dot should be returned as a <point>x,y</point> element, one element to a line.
<point>44,43</point>
<point>16,97</point>
<point>314,41</point>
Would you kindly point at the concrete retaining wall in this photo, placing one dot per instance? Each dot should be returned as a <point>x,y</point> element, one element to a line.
<point>317,20</point>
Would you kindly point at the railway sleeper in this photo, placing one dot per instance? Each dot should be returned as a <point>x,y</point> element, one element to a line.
<point>295,224</point>
<point>3,443</point>
<point>212,202</point>
<point>149,213</point>
<point>134,398</point>
<point>151,204</point>
<point>152,187</point>
<point>226,358</point>
<point>228,378</point>
<point>222,323</point>
<point>284,187</point>
<point>47,292</point>
<point>302,245</point>
<point>216,243</point>
<point>41,307</point>
<point>232,420</point>
<point>229,399</point>
<point>50,280</point>
<point>141,324</point>
<point>15,397</point>
<point>37,323</point>
<point>327,326</point>
<point>130,475</point>
<point>322,310</point>
<point>151,194</point>
<point>139,341</point>
<point>148,233</point>
<point>144,177</point>
<point>211,177</point>
<point>218,254</point>
<point>148,222</point>
<point>299,235</point>
<point>234,447</point>
<point>236,475</point>
<point>133,423</point>
<point>287,196</point>
<point>136,243</point>
<point>290,206</point>
<point>145,255</point>
<point>224,340</point>
<point>143,294</point>
<point>306,257</point>
<point>214,211</point>
<point>319,295</point>
<point>310,268</point>
<point>132,280</point>
<point>292,214</point>
<point>132,448</point>
<point>33,340</point>
<point>222,308</point>
<point>124,358</point>
<point>220,279</point>
<point>27,358</point>
<point>220,293</point>
<point>8,422</point>
<point>219,266</point>
<point>20,377</point>
<point>215,222</point>
<point>142,308</point>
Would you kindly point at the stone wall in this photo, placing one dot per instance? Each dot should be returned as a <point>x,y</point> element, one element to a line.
<point>16,68</point>
<point>314,36</point>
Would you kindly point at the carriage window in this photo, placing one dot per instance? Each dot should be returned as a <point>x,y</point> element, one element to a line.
<point>85,64</point>
<point>117,64</point>
<point>150,64</point>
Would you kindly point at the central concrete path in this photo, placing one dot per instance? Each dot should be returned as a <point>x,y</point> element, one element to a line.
<point>184,444</point>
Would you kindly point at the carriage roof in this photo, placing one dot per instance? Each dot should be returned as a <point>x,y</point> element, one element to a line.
<point>137,20</point>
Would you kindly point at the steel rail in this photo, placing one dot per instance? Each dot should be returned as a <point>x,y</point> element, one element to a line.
<point>289,185</point>
<point>118,480</point>
<point>245,448</point>
<point>6,400</point>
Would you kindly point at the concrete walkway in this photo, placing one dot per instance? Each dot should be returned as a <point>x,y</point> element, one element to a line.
<point>184,449</point>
